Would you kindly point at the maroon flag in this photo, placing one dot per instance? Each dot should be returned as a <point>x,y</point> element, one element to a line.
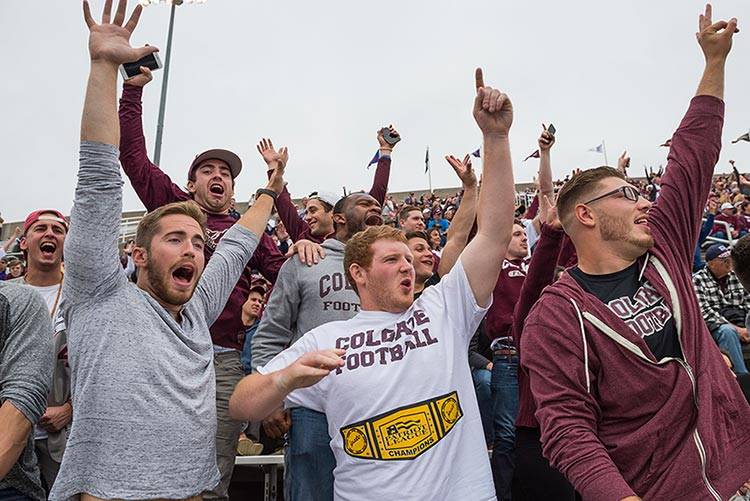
<point>533,155</point>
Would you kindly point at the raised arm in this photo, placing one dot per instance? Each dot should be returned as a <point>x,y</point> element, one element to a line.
<point>294,225</point>
<point>152,185</point>
<point>463,219</point>
<point>379,188</point>
<point>91,253</point>
<point>546,141</point>
<point>482,258</point>
<point>695,146</point>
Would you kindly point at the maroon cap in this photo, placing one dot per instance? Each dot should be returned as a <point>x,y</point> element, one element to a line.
<point>231,159</point>
<point>42,214</point>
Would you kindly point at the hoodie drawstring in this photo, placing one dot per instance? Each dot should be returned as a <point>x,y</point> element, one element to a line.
<point>585,347</point>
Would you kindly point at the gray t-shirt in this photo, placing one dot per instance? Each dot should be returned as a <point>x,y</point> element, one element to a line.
<point>25,373</point>
<point>143,384</point>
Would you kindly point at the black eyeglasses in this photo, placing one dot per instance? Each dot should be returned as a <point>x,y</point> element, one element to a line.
<point>628,192</point>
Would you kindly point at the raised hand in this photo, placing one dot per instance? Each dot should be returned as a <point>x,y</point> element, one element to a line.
<point>110,41</point>
<point>550,215</point>
<point>278,166</point>
<point>142,79</point>
<point>272,157</point>
<point>385,145</point>
<point>715,39</point>
<point>623,162</point>
<point>546,140</point>
<point>463,170</point>
<point>310,368</point>
<point>493,110</point>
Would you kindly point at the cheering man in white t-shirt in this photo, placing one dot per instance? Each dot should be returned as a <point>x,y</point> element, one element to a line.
<point>393,381</point>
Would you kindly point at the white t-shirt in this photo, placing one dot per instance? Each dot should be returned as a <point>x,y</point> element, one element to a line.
<point>402,412</point>
<point>49,293</point>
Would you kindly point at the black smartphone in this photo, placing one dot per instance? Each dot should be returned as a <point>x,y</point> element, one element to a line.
<point>551,129</point>
<point>390,137</point>
<point>129,70</point>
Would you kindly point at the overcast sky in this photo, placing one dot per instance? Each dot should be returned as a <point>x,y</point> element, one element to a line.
<point>322,77</point>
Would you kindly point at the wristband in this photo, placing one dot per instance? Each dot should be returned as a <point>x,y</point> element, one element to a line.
<point>266,191</point>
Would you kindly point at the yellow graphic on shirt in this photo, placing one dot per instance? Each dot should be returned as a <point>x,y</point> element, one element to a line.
<point>403,433</point>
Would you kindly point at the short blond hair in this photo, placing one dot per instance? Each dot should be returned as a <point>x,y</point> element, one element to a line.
<point>359,247</point>
<point>149,225</point>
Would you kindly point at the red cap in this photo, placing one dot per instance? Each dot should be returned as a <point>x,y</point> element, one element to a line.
<point>49,214</point>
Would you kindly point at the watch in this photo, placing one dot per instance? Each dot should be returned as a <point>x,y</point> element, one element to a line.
<point>266,191</point>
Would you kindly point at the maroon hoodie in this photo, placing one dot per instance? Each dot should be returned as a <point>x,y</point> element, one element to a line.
<point>155,189</point>
<point>614,420</point>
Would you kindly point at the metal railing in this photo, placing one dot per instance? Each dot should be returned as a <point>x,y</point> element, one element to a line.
<point>727,229</point>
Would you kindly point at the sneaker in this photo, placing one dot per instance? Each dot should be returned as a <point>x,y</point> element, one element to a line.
<point>248,447</point>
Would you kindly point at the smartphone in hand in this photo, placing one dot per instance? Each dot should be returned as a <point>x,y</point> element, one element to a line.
<point>130,70</point>
<point>551,129</point>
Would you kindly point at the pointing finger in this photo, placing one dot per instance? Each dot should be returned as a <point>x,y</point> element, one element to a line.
<point>478,78</point>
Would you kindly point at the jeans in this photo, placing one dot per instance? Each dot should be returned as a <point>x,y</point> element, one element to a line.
<point>729,341</point>
<point>482,385</point>
<point>309,460</point>
<point>11,494</point>
<point>504,412</point>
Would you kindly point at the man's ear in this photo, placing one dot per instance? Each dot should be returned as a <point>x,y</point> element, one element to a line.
<point>358,274</point>
<point>140,257</point>
<point>339,218</point>
<point>584,215</point>
<point>23,244</point>
<point>191,186</point>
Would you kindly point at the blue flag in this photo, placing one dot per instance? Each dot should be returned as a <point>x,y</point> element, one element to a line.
<point>476,154</point>
<point>374,159</point>
<point>597,149</point>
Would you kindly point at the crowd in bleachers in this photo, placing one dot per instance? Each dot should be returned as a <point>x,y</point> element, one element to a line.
<point>586,338</point>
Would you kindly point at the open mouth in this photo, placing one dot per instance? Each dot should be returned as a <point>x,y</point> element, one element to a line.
<point>216,188</point>
<point>406,283</point>
<point>183,276</point>
<point>428,262</point>
<point>48,249</point>
<point>374,219</point>
<point>642,220</point>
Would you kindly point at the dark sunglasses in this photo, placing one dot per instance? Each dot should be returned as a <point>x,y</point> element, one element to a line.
<point>628,192</point>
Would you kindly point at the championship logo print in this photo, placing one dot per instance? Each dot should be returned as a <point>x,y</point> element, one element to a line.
<point>403,433</point>
<point>356,441</point>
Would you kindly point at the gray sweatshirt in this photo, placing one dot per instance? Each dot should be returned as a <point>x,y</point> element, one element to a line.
<point>143,384</point>
<point>25,373</point>
<point>303,298</point>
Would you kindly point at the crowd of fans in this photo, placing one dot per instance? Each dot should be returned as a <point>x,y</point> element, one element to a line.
<point>376,341</point>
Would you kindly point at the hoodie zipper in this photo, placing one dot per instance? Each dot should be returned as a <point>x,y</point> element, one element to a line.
<point>678,320</point>
<point>696,435</point>
<point>633,348</point>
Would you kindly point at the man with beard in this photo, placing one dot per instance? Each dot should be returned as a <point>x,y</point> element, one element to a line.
<point>143,381</point>
<point>317,223</point>
<point>304,298</point>
<point>400,404</point>
<point>210,184</point>
<point>42,243</point>
<point>632,395</point>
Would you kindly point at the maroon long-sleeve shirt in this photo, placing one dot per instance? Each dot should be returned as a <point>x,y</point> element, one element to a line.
<point>499,318</point>
<point>614,420</point>
<point>540,274</point>
<point>299,229</point>
<point>155,189</point>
